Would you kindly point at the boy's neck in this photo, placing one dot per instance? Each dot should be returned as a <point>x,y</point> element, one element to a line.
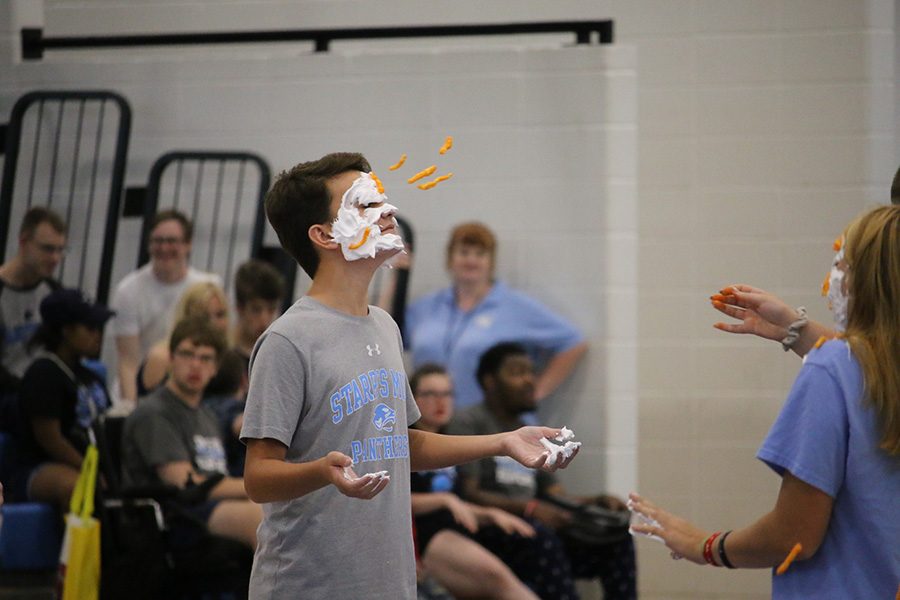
<point>504,416</point>
<point>192,400</point>
<point>14,273</point>
<point>343,286</point>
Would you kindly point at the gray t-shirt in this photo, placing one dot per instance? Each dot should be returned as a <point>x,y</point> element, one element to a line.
<point>320,381</point>
<point>500,474</point>
<point>145,305</point>
<point>163,429</point>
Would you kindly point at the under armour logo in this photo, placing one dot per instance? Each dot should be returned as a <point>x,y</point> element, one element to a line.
<point>373,351</point>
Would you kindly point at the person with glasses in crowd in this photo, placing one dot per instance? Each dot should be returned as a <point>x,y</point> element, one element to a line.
<point>171,438</point>
<point>447,526</point>
<point>144,300</point>
<point>25,280</point>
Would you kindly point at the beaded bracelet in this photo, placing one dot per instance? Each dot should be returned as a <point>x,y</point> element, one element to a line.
<point>793,331</point>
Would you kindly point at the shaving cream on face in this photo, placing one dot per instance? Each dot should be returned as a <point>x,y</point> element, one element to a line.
<point>357,231</point>
<point>838,301</point>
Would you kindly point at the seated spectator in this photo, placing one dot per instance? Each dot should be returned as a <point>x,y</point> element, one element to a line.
<point>259,292</point>
<point>205,300</point>
<point>172,439</point>
<point>145,298</point>
<point>59,398</point>
<point>506,374</point>
<point>25,280</point>
<point>456,325</point>
<point>464,567</point>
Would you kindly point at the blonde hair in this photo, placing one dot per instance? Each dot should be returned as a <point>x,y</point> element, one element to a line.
<point>195,300</point>
<point>872,252</point>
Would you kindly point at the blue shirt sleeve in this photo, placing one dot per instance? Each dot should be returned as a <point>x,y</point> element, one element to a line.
<point>809,438</point>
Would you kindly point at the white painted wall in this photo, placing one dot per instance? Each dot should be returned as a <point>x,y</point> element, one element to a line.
<point>763,126</point>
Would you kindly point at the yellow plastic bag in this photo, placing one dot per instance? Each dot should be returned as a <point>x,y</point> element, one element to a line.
<point>79,560</point>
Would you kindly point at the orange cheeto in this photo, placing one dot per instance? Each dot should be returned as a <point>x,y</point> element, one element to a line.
<point>378,183</point>
<point>448,143</point>
<point>421,174</point>
<point>398,164</point>
<point>360,242</point>
<point>790,558</point>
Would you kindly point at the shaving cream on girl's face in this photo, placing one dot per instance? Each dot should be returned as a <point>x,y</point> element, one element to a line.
<point>357,230</point>
<point>838,301</point>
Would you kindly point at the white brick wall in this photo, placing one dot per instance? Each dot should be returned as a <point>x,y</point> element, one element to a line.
<point>763,126</point>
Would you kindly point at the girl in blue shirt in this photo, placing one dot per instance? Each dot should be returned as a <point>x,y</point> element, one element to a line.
<point>836,446</point>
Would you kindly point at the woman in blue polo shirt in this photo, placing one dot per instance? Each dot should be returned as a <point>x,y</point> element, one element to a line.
<point>455,326</point>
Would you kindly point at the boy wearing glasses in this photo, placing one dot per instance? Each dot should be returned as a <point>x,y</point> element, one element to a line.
<point>25,280</point>
<point>172,439</point>
<point>144,299</point>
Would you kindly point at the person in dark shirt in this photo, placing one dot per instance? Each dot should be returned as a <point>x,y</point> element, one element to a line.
<point>445,524</point>
<point>507,377</point>
<point>59,397</point>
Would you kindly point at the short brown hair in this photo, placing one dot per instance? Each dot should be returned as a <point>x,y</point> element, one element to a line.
<point>299,199</point>
<point>171,214</point>
<point>424,371</point>
<point>472,234</point>
<point>199,331</point>
<point>41,214</point>
<point>257,279</point>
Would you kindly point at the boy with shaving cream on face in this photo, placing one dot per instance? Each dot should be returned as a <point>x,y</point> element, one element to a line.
<point>329,451</point>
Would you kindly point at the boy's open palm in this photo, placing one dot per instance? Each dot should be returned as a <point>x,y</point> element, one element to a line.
<point>524,445</point>
<point>347,482</point>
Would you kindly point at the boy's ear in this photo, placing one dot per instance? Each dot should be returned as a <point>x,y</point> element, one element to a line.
<point>320,236</point>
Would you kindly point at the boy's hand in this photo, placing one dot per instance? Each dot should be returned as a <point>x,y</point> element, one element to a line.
<point>364,488</point>
<point>524,445</point>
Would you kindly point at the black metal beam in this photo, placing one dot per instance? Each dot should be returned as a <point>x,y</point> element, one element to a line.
<point>34,43</point>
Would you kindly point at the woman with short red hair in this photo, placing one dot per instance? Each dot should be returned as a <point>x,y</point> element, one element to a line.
<point>454,326</point>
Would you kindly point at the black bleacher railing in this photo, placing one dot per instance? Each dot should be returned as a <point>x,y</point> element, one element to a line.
<point>67,150</point>
<point>34,43</point>
<point>222,193</point>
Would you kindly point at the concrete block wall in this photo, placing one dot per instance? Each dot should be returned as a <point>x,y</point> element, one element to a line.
<point>763,126</point>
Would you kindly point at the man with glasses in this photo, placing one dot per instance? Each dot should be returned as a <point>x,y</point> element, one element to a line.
<point>25,280</point>
<point>171,438</point>
<point>144,299</point>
